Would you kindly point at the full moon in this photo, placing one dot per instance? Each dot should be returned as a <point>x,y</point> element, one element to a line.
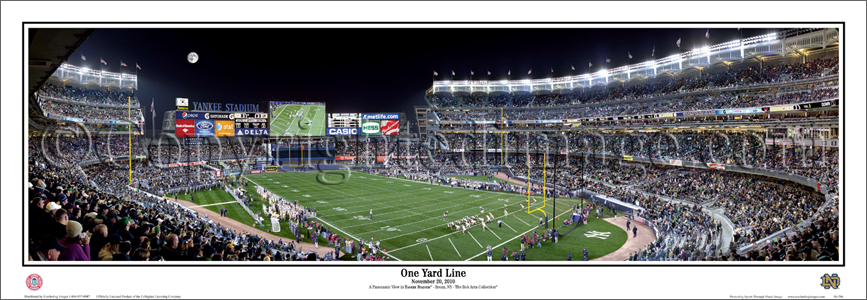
<point>193,57</point>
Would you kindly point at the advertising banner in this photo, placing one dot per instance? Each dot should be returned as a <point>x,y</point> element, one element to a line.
<point>204,128</point>
<point>739,111</point>
<point>341,131</point>
<point>390,127</point>
<point>186,164</point>
<point>381,116</point>
<point>381,158</point>
<point>696,113</point>
<point>675,162</point>
<point>716,166</point>
<point>188,115</point>
<point>818,104</point>
<point>251,132</point>
<point>342,158</point>
<point>782,108</point>
<point>271,168</point>
<point>224,128</point>
<point>79,120</point>
<point>255,172</point>
<point>370,127</point>
<point>219,116</point>
<point>626,157</point>
<point>185,128</point>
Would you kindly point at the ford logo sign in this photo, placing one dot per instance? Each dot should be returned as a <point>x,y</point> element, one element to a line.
<point>204,125</point>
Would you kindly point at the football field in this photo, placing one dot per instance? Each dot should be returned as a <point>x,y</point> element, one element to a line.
<point>408,217</point>
<point>298,120</point>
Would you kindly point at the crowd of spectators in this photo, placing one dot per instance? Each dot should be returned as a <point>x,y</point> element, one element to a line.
<point>72,219</point>
<point>165,153</point>
<point>56,110</point>
<point>662,87</point>
<point>725,100</point>
<point>156,180</point>
<point>91,96</point>
<point>747,149</point>
<point>66,151</point>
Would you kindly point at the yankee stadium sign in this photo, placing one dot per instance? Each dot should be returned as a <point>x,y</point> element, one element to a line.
<point>224,106</point>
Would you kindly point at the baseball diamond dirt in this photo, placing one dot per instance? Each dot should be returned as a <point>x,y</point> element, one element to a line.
<point>241,227</point>
<point>633,244</point>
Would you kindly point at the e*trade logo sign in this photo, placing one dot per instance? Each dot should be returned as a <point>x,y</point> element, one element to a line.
<point>370,128</point>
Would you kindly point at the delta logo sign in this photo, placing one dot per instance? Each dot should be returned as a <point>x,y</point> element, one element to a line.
<point>251,132</point>
<point>390,127</point>
<point>185,128</point>
<point>204,128</point>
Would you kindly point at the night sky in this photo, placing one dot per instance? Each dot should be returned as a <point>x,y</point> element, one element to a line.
<point>361,70</point>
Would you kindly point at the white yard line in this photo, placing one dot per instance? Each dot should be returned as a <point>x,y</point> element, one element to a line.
<point>428,252</point>
<point>221,203</point>
<point>419,243</point>
<point>293,121</point>
<point>510,227</point>
<point>278,115</point>
<point>477,241</point>
<point>349,235</point>
<point>498,237</point>
<point>519,219</point>
<point>453,246</point>
<point>517,236</point>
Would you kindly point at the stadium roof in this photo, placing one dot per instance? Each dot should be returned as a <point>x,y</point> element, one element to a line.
<point>48,49</point>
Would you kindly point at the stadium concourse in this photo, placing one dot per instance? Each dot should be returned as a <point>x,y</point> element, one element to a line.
<point>728,162</point>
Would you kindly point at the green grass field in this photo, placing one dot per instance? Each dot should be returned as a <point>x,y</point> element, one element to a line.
<point>482,178</point>
<point>216,199</point>
<point>408,217</point>
<point>285,120</point>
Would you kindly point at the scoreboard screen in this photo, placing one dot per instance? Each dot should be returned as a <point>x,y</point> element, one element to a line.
<point>297,118</point>
<point>343,124</point>
<point>221,124</point>
<point>251,124</point>
<point>344,120</point>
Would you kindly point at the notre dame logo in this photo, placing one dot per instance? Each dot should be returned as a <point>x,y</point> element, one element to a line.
<point>830,281</point>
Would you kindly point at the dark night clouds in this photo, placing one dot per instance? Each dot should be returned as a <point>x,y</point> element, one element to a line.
<point>362,70</point>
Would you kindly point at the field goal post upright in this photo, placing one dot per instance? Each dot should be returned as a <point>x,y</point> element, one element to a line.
<point>300,157</point>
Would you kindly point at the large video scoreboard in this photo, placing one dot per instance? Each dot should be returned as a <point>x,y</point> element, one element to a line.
<point>218,124</point>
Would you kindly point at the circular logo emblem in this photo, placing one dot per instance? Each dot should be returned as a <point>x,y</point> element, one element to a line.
<point>219,126</point>
<point>34,282</point>
<point>192,57</point>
